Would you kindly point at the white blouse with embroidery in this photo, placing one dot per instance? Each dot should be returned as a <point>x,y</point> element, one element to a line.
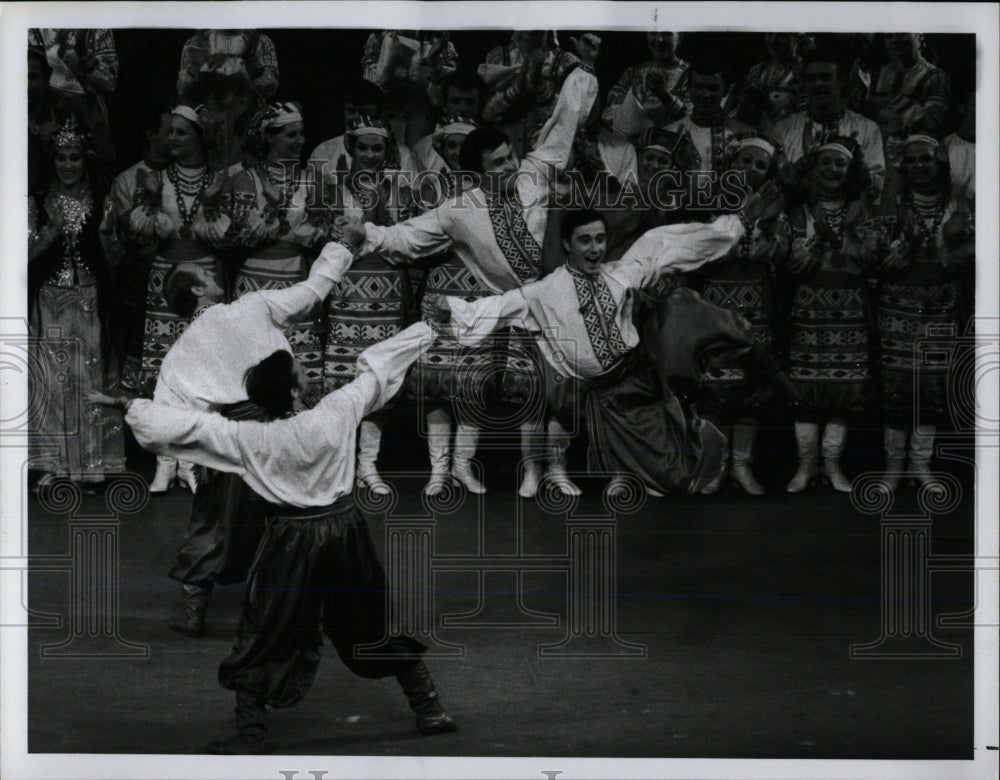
<point>585,322</point>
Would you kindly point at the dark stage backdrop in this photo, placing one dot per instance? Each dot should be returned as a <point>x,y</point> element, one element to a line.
<point>316,65</point>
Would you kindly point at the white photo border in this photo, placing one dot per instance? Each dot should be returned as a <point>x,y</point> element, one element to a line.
<point>16,18</point>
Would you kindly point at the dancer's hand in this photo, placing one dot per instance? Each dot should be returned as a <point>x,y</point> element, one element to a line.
<point>353,233</point>
<point>54,212</point>
<point>103,399</point>
<point>435,308</point>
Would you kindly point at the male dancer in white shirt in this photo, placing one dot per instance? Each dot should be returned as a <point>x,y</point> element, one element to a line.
<point>204,370</point>
<point>587,305</point>
<point>316,566</point>
<point>497,229</point>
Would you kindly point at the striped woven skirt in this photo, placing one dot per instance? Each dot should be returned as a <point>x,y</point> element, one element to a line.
<point>275,267</point>
<point>746,293</point>
<point>163,326</point>
<point>829,352</point>
<point>367,306</point>
<point>522,380</point>
<point>913,378</point>
<point>448,372</point>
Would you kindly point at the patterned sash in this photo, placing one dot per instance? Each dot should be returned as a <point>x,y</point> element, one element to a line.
<point>522,252</point>
<point>598,307</point>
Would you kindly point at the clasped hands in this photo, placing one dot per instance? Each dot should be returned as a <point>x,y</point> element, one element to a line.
<point>349,231</point>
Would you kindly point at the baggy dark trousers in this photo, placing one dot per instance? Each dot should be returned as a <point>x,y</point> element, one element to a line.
<point>315,569</point>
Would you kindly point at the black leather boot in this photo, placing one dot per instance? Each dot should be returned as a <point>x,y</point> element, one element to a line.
<point>251,729</point>
<point>423,697</point>
<point>190,618</point>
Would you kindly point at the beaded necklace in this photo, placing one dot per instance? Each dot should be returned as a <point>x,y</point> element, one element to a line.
<point>831,215</point>
<point>192,187</point>
<point>929,212</point>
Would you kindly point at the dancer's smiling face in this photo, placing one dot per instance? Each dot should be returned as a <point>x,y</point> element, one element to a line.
<point>587,246</point>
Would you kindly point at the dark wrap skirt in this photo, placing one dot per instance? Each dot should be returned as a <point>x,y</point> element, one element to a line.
<point>637,413</point>
<point>315,569</point>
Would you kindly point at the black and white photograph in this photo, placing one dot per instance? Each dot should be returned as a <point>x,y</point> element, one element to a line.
<point>499,390</point>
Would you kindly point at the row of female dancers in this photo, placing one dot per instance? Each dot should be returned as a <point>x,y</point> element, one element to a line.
<point>823,254</point>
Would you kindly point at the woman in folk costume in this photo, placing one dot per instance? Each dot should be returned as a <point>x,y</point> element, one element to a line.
<point>229,72</point>
<point>83,70</point>
<point>68,289</point>
<point>741,281</point>
<point>935,248</point>
<point>525,79</point>
<point>180,209</point>
<point>779,79</point>
<point>657,197</point>
<point>652,94</point>
<point>135,258</point>
<point>447,372</point>
<point>270,210</point>
<point>496,227</point>
<point>376,299</point>
<point>836,245</point>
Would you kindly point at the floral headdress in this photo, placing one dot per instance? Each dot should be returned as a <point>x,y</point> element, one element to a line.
<point>70,136</point>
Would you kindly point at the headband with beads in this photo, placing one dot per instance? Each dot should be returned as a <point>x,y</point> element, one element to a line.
<point>282,114</point>
<point>453,125</point>
<point>365,125</point>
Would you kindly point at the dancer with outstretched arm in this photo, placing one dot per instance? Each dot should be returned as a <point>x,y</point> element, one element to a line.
<point>316,567</point>
<point>582,314</point>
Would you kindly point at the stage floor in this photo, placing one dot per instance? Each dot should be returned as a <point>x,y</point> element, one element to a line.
<point>729,634</point>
